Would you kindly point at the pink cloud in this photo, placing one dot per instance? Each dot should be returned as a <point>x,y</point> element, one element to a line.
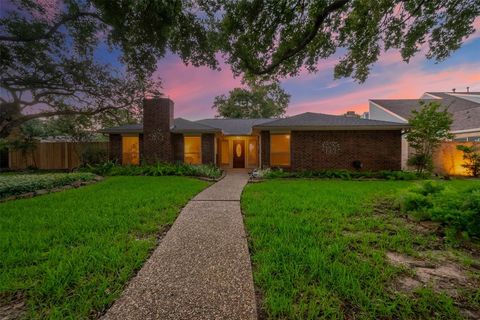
<point>406,85</point>
<point>193,89</point>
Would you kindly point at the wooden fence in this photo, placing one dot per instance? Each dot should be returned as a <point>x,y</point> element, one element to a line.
<point>447,160</point>
<point>54,155</point>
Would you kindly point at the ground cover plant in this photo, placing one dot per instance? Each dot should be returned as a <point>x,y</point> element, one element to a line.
<point>340,174</point>
<point>333,249</point>
<point>69,254</point>
<point>458,210</point>
<point>13,184</point>
<point>160,169</point>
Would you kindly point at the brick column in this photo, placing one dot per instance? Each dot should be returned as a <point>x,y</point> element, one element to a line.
<point>115,148</point>
<point>265,145</point>
<point>157,138</point>
<point>208,148</point>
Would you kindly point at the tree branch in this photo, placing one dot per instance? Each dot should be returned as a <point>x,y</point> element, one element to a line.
<point>53,29</point>
<point>308,37</point>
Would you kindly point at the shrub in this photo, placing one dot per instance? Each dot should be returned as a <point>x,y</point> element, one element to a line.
<point>457,210</point>
<point>472,159</point>
<point>160,169</point>
<point>338,174</point>
<point>17,184</point>
<point>93,155</point>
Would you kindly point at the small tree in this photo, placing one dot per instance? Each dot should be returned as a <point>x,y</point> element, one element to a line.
<point>259,101</point>
<point>472,159</point>
<point>429,126</point>
<point>26,141</point>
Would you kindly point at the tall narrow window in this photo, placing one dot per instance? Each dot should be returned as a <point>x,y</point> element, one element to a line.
<point>252,152</point>
<point>192,150</point>
<point>280,150</point>
<point>225,159</point>
<point>130,150</point>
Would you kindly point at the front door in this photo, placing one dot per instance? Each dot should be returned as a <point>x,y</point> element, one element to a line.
<point>238,154</point>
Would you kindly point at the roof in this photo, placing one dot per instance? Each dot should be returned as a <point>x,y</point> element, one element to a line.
<point>181,125</point>
<point>234,126</point>
<point>462,105</point>
<point>310,120</point>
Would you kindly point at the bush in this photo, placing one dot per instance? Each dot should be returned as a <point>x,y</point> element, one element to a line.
<point>472,159</point>
<point>338,174</point>
<point>17,184</point>
<point>93,155</point>
<point>457,210</point>
<point>160,169</point>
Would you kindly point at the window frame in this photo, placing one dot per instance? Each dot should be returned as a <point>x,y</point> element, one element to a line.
<point>185,137</point>
<point>289,149</point>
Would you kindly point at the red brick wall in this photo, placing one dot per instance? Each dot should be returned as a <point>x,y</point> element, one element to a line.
<point>377,150</point>
<point>265,148</point>
<point>157,120</point>
<point>115,148</point>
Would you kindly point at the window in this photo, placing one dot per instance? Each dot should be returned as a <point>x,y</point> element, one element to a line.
<point>130,150</point>
<point>192,147</point>
<point>224,150</point>
<point>280,150</point>
<point>252,152</point>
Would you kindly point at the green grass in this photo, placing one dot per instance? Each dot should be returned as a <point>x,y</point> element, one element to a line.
<point>319,251</point>
<point>71,253</point>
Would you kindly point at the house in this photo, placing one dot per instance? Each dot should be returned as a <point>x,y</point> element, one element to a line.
<point>305,141</point>
<point>464,107</point>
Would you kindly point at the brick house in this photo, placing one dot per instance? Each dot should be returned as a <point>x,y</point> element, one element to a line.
<point>304,141</point>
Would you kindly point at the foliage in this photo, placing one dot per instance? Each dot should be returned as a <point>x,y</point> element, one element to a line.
<point>70,254</point>
<point>457,210</point>
<point>318,251</point>
<point>110,168</point>
<point>472,159</point>
<point>271,38</point>
<point>339,174</point>
<point>429,126</point>
<point>53,58</point>
<point>22,183</point>
<point>93,155</point>
<point>258,101</point>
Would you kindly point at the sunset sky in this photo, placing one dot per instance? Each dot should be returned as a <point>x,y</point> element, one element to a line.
<point>193,89</point>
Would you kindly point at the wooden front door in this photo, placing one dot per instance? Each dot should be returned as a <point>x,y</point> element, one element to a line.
<point>238,154</point>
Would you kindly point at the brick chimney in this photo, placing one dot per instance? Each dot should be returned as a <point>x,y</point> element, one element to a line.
<point>157,121</point>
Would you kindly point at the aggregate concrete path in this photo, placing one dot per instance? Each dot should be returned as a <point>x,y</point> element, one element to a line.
<point>201,268</point>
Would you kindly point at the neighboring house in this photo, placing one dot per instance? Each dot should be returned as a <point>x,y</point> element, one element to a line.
<point>304,141</point>
<point>464,107</point>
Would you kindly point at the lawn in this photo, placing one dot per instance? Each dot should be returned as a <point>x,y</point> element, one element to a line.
<point>319,251</point>
<point>69,254</point>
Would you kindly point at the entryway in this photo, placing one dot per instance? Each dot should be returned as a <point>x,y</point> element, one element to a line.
<point>238,153</point>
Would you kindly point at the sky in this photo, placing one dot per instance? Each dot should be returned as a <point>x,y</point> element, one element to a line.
<point>193,89</point>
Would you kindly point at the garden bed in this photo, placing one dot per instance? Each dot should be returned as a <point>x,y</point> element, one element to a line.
<point>14,186</point>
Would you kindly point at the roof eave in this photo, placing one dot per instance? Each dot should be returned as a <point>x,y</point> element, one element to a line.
<point>334,128</point>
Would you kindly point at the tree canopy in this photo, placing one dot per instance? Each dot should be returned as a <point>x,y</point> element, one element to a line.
<point>257,101</point>
<point>51,61</point>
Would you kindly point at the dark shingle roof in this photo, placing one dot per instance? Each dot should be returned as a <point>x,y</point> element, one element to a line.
<point>185,126</point>
<point>320,120</point>
<point>234,126</point>
<point>466,113</point>
<point>245,126</point>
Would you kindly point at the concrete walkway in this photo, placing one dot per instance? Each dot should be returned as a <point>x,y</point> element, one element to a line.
<point>201,269</point>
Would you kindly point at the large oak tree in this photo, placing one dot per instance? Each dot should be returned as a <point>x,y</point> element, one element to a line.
<point>50,65</point>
